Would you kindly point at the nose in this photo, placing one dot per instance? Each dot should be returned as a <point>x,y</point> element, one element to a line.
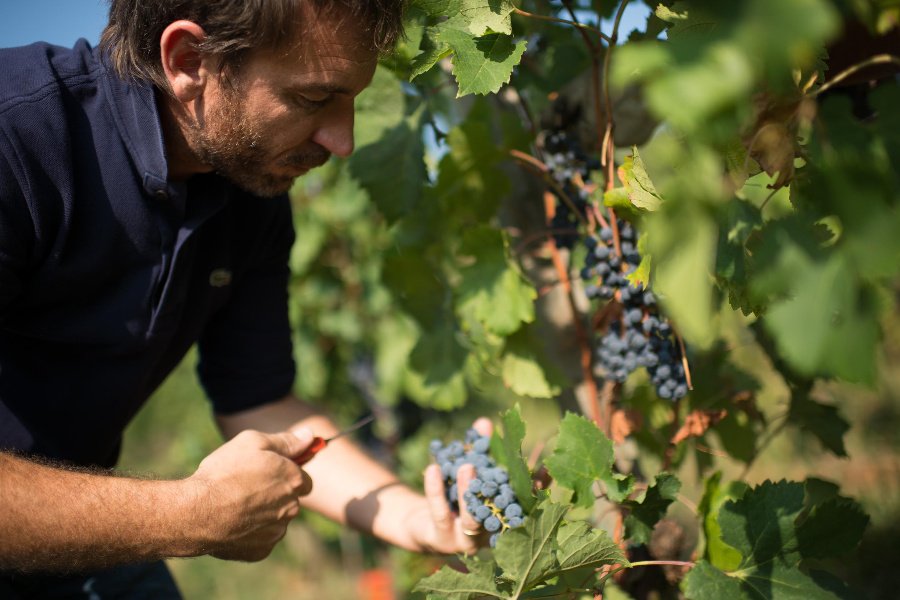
<point>335,132</point>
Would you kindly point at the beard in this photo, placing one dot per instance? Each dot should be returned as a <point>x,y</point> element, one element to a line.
<point>227,141</point>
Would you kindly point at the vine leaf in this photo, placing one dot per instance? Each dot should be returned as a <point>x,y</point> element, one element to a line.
<point>524,368</point>
<point>763,527</point>
<point>718,553</point>
<point>705,582</point>
<point>820,536</point>
<point>646,513</point>
<point>393,168</point>
<point>491,286</point>
<point>510,454</point>
<point>389,162</point>
<point>526,554</point>
<point>582,456</point>
<point>450,584</point>
<point>482,64</point>
<point>437,362</point>
<point>582,546</point>
<point>829,322</point>
<point>638,187</point>
<point>821,420</point>
<point>475,16</point>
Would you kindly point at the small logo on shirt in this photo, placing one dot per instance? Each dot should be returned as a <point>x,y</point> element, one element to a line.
<point>220,278</point>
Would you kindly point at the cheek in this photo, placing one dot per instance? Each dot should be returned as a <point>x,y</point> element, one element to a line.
<point>288,133</point>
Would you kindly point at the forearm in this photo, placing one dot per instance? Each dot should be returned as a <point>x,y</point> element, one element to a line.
<point>54,519</point>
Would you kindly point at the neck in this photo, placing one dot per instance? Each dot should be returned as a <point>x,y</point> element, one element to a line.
<point>181,160</point>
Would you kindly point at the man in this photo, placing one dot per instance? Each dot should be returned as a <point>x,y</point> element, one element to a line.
<point>143,209</point>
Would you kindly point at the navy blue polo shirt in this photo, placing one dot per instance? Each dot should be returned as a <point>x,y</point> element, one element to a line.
<point>109,272</point>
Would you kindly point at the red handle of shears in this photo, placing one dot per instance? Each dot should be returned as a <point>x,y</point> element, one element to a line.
<point>317,444</point>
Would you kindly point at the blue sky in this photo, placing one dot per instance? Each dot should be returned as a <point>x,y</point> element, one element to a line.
<point>55,21</point>
<point>64,21</point>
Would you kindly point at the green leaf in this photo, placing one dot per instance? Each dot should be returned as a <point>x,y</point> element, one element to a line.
<point>645,514</point>
<point>683,269</point>
<point>411,278</point>
<point>437,363</point>
<point>525,369</point>
<point>469,189</point>
<point>761,524</point>
<point>485,16</point>
<point>715,495</point>
<point>511,448</point>
<point>820,420</point>
<point>450,584</point>
<point>583,454</point>
<point>526,554</point>
<point>379,108</point>
<point>761,527</point>
<point>481,64</point>
<point>476,16</point>
<point>581,546</point>
<point>522,373</point>
<point>392,169</point>
<point>638,186</point>
<point>776,582</point>
<point>829,323</point>
<point>705,582</point>
<point>833,528</point>
<point>432,52</point>
<point>491,287</point>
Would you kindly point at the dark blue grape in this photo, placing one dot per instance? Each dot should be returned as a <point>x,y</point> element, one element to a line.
<point>492,524</point>
<point>514,522</point>
<point>481,513</point>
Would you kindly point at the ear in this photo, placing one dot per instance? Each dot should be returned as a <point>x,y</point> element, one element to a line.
<point>185,67</point>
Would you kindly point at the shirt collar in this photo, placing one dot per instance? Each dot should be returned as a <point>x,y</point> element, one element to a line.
<point>134,109</point>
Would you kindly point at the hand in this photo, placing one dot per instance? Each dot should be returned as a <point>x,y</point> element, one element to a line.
<point>440,529</point>
<point>252,490</point>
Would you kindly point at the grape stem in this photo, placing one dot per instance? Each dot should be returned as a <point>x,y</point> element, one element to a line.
<point>643,563</point>
<point>541,168</point>
<point>580,26</point>
<point>851,70</point>
<point>581,337</point>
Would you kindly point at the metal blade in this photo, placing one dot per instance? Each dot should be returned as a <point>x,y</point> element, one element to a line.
<point>352,428</point>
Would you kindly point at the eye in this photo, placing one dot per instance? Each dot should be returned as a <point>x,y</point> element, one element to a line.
<point>311,101</point>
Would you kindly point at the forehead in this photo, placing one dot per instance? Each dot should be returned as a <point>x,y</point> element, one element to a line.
<point>327,50</point>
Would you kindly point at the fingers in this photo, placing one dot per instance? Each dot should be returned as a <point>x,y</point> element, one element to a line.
<point>289,443</point>
<point>484,426</point>
<point>437,502</point>
<point>306,486</point>
<point>464,476</point>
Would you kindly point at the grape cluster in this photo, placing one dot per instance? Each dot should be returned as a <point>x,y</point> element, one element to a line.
<point>566,162</point>
<point>489,498</point>
<point>639,336</point>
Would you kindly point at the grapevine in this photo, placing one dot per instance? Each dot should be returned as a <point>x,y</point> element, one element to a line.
<point>732,248</point>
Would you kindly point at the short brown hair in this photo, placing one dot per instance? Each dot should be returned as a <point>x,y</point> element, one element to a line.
<point>131,39</point>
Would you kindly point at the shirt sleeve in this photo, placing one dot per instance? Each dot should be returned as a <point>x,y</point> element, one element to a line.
<point>16,228</point>
<point>246,354</point>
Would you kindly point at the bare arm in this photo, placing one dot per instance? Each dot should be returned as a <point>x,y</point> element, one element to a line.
<point>352,488</point>
<point>236,505</point>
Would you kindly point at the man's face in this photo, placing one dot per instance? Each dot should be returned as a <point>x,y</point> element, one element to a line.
<point>286,111</point>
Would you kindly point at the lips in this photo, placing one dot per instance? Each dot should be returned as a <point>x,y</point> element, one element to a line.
<point>306,161</point>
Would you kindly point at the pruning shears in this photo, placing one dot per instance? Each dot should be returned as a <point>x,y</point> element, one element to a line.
<point>318,444</point>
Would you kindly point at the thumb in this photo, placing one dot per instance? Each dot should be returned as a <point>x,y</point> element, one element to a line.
<point>290,443</point>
